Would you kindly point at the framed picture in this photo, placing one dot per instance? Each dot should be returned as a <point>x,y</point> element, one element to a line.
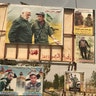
<point>74,81</point>
<point>84,51</point>
<point>83,22</point>
<point>21,80</point>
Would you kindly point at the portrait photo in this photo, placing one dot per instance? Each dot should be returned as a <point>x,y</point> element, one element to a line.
<point>74,81</point>
<point>84,50</point>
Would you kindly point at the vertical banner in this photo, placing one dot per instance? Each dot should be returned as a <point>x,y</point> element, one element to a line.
<point>3,11</point>
<point>3,16</point>
<point>68,21</point>
<point>83,22</point>
<point>67,52</point>
<point>25,81</point>
<point>74,81</point>
<point>84,52</point>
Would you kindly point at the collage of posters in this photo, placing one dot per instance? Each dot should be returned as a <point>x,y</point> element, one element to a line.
<point>85,39</point>
<point>21,80</point>
<point>36,47</point>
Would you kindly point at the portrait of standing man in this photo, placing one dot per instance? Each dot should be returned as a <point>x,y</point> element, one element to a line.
<point>84,49</point>
<point>20,31</point>
<point>42,30</point>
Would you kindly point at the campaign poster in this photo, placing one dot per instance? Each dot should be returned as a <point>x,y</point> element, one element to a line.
<point>74,81</point>
<point>28,28</point>
<point>17,80</point>
<point>83,22</point>
<point>84,49</point>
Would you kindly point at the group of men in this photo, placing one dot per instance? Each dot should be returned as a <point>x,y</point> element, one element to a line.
<point>80,20</point>
<point>22,31</point>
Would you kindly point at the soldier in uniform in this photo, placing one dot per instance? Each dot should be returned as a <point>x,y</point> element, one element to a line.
<point>4,82</point>
<point>20,31</point>
<point>74,80</point>
<point>83,44</point>
<point>78,18</point>
<point>88,21</point>
<point>33,85</point>
<point>42,30</point>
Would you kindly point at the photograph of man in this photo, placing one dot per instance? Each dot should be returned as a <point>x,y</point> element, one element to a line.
<point>88,21</point>
<point>78,18</point>
<point>33,85</point>
<point>41,30</point>
<point>5,81</point>
<point>20,31</point>
<point>74,80</point>
<point>83,45</point>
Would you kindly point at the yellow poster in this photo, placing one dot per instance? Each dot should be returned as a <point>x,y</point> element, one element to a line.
<point>83,22</point>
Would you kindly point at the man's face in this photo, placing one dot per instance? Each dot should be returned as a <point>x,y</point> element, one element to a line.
<point>28,14</point>
<point>40,18</point>
<point>83,38</point>
<point>10,76</point>
<point>33,79</point>
<point>89,16</point>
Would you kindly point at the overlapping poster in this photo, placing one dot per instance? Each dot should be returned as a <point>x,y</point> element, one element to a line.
<point>83,21</point>
<point>74,81</point>
<point>25,24</point>
<point>25,81</point>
